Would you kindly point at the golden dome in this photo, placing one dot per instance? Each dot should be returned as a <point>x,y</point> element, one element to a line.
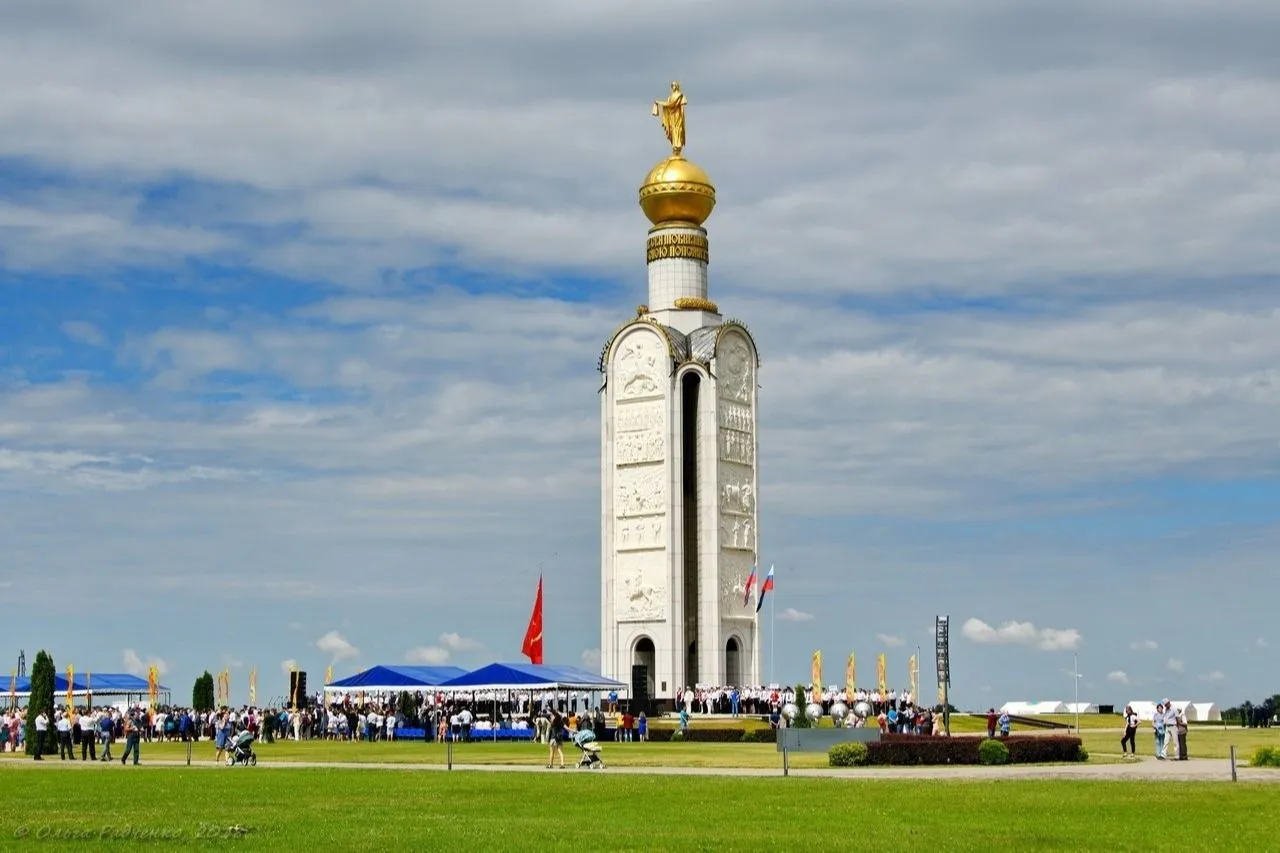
<point>677,190</point>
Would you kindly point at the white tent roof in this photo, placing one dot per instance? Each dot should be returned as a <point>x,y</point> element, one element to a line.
<point>1030,709</point>
<point>1197,712</point>
<point>1202,712</point>
<point>1081,707</point>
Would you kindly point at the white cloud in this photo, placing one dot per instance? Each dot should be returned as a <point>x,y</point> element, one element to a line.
<point>1214,677</point>
<point>427,655</point>
<point>591,659</point>
<point>1144,645</point>
<point>84,333</point>
<point>1118,676</point>
<point>890,640</point>
<point>1016,633</point>
<point>1175,665</point>
<point>136,665</point>
<point>288,665</point>
<point>790,614</point>
<point>458,643</point>
<point>1261,642</point>
<point>336,647</point>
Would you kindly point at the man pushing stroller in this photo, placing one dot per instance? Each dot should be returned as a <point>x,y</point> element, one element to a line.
<point>585,740</point>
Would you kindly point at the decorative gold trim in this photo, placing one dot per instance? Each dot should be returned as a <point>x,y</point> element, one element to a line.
<point>673,225</point>
<point>667,187</point>
<point>673,245</point>
<point>697,303</point>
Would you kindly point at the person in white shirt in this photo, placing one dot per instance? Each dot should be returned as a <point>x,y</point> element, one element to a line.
<point>1130,733</point>
<point>65,748</point>
<point>391,726</point>
<point>1170,727</point>
<point>88,736</point>
<point>42,734</point>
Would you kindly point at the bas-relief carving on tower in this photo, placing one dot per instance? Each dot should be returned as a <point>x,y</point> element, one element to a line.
<point>640,481</point>
<point>735,363</point>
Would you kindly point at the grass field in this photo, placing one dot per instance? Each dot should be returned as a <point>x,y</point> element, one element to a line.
<point>337,810</point>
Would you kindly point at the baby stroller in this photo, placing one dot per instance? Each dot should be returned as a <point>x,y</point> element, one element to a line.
<point>585,740</point>
<point>241,751</point>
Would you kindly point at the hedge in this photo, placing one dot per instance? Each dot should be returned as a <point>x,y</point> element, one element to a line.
<point>708,735</point>
<point>916,749</point>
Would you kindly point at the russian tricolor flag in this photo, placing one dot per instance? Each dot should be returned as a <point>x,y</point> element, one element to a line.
<point>765,587</point>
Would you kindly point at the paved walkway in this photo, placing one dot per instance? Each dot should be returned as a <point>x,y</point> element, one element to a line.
<point>1145,770</point>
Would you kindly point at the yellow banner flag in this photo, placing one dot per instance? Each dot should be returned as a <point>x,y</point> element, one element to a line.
<point>912,673</point>
<point>88,689</point>
<point>153,684</point>
<point>881,675</point>
<point>71,686</point>
<point>851,675</point>
<point>13,687</point>
<point>815,675</point>
<point>253,686</point>
<point>328,675</point>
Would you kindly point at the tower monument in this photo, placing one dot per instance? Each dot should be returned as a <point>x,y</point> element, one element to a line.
<point>680,506</point>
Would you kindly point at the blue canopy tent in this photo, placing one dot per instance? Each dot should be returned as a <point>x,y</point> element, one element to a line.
<point>528,676</point>
<point>395,679</point>
<point>521,677</point>
<point>97,683</point>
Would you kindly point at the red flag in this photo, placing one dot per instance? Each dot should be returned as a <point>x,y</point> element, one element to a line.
<point>751,583</point>
<point>532,648</point>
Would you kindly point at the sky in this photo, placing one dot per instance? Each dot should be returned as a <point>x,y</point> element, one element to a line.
<point>301,305</point>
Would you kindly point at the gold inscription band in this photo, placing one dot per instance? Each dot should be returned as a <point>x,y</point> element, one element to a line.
<point>691,246</point>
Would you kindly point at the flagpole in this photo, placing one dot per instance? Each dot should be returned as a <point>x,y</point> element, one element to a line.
<point>772,624</point>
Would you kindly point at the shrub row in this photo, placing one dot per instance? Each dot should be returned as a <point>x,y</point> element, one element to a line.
<point>706,735</point>
<point>912,749</point>
<point>1266,756</point>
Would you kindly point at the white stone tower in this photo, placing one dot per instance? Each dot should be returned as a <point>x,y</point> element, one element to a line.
<point>680,506</point>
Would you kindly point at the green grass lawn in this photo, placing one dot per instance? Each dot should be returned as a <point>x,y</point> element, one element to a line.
<point>376,809</point>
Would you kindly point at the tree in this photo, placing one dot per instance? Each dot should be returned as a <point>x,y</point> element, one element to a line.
<point>802,701</point>
<point>202,698</point>
<point>41,700</point>
<point>408,708</point>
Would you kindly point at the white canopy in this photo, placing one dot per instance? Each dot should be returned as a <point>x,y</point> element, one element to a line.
<point>1197,712</point>
<point>1081,708</point>
<point>1031,709</point>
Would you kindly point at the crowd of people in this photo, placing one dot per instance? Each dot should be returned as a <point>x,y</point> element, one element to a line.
<point>1168,724</point>
<point>762,701</point>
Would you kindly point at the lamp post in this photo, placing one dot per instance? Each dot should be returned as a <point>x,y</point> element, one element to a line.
<point>1075,657</point>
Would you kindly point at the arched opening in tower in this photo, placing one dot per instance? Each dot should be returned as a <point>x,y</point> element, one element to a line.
<point>690,385</point>
<point>643,654</point>
<point>732,663</point>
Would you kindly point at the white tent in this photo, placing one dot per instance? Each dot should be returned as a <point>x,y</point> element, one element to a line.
<point>1197,712</point>
<point>1202,712</point>
<point>1081,708</point>
<point>1031,709</point>
<point>1144,709</point>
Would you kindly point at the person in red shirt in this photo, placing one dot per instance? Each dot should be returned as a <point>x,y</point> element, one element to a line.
<point>991,722</point>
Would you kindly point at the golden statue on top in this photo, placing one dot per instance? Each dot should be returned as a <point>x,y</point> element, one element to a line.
<point>671,113</point>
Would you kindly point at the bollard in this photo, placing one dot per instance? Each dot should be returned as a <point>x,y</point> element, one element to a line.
<point>188,753</point>
<point>786,761</point>
<point>1233,763</point>
<point>449,751</point>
